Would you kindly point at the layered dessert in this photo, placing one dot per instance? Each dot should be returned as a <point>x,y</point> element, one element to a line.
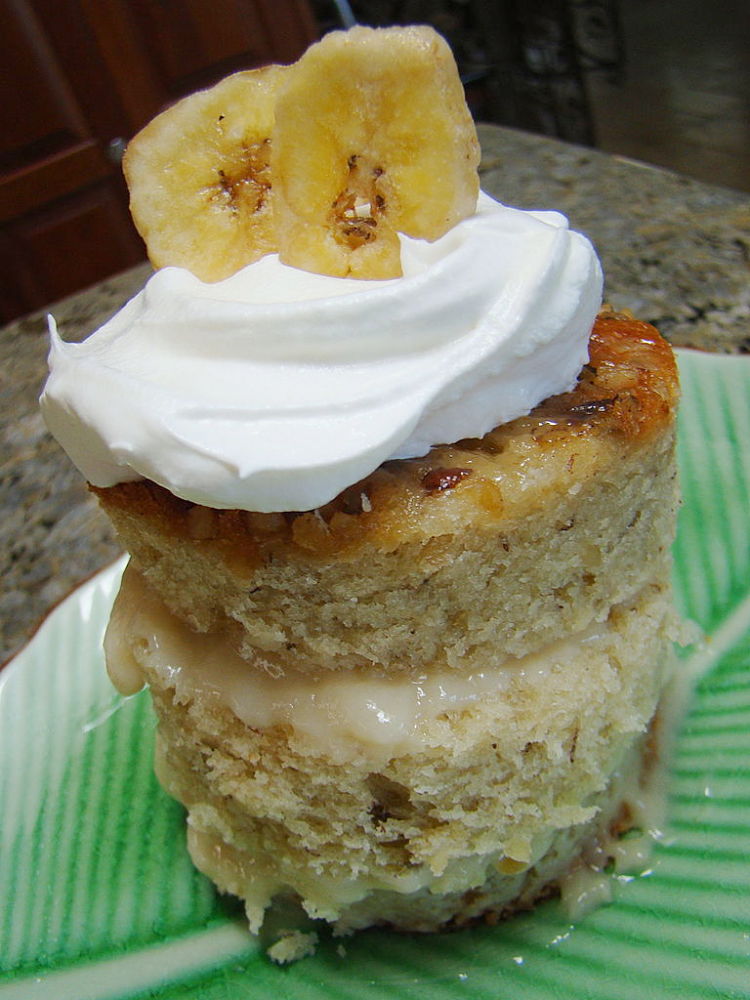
<point>398,494</point>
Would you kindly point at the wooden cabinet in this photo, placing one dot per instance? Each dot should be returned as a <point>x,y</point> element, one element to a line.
<point>78,78</point>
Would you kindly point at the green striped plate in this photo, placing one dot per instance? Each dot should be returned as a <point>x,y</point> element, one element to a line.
<point>99,900</point>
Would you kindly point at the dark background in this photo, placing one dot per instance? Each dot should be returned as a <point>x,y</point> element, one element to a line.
<point>665,81</point>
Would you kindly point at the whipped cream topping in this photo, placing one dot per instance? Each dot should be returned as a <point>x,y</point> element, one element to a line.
<point>276,388</point>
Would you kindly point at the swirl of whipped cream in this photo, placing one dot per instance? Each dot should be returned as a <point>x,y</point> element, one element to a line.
<point>276,388</point>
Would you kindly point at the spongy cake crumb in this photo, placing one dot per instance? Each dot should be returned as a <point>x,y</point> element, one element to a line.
<point>292,946</point>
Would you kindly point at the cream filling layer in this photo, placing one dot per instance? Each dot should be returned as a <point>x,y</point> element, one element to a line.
<point>339,714</point>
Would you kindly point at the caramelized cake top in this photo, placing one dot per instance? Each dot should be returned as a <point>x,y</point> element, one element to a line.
<point>626,395</point>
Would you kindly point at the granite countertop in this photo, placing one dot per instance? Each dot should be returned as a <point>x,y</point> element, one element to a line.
<point>675,251</point>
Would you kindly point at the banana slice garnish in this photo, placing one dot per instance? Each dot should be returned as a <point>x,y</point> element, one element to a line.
<point>324,161</point>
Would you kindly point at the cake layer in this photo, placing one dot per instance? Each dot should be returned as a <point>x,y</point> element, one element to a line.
<point>479,550</point>
<point>494,888</point>
<point>483,790</point>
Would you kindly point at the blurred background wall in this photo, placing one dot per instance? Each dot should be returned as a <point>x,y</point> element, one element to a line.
<point>665,81</point>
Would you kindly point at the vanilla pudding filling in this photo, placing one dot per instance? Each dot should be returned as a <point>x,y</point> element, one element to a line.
<point>337,713</point>
<point>340,714</point>
<point>275,389</point>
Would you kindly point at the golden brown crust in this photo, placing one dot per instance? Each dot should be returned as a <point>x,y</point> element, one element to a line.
<point>629,386</point>
<point>627,393</point>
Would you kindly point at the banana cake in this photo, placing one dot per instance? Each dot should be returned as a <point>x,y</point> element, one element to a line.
<point>398,495</point>
<point>413,704</point>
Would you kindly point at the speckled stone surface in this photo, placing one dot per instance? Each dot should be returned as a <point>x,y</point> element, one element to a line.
<point>675,251</point>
